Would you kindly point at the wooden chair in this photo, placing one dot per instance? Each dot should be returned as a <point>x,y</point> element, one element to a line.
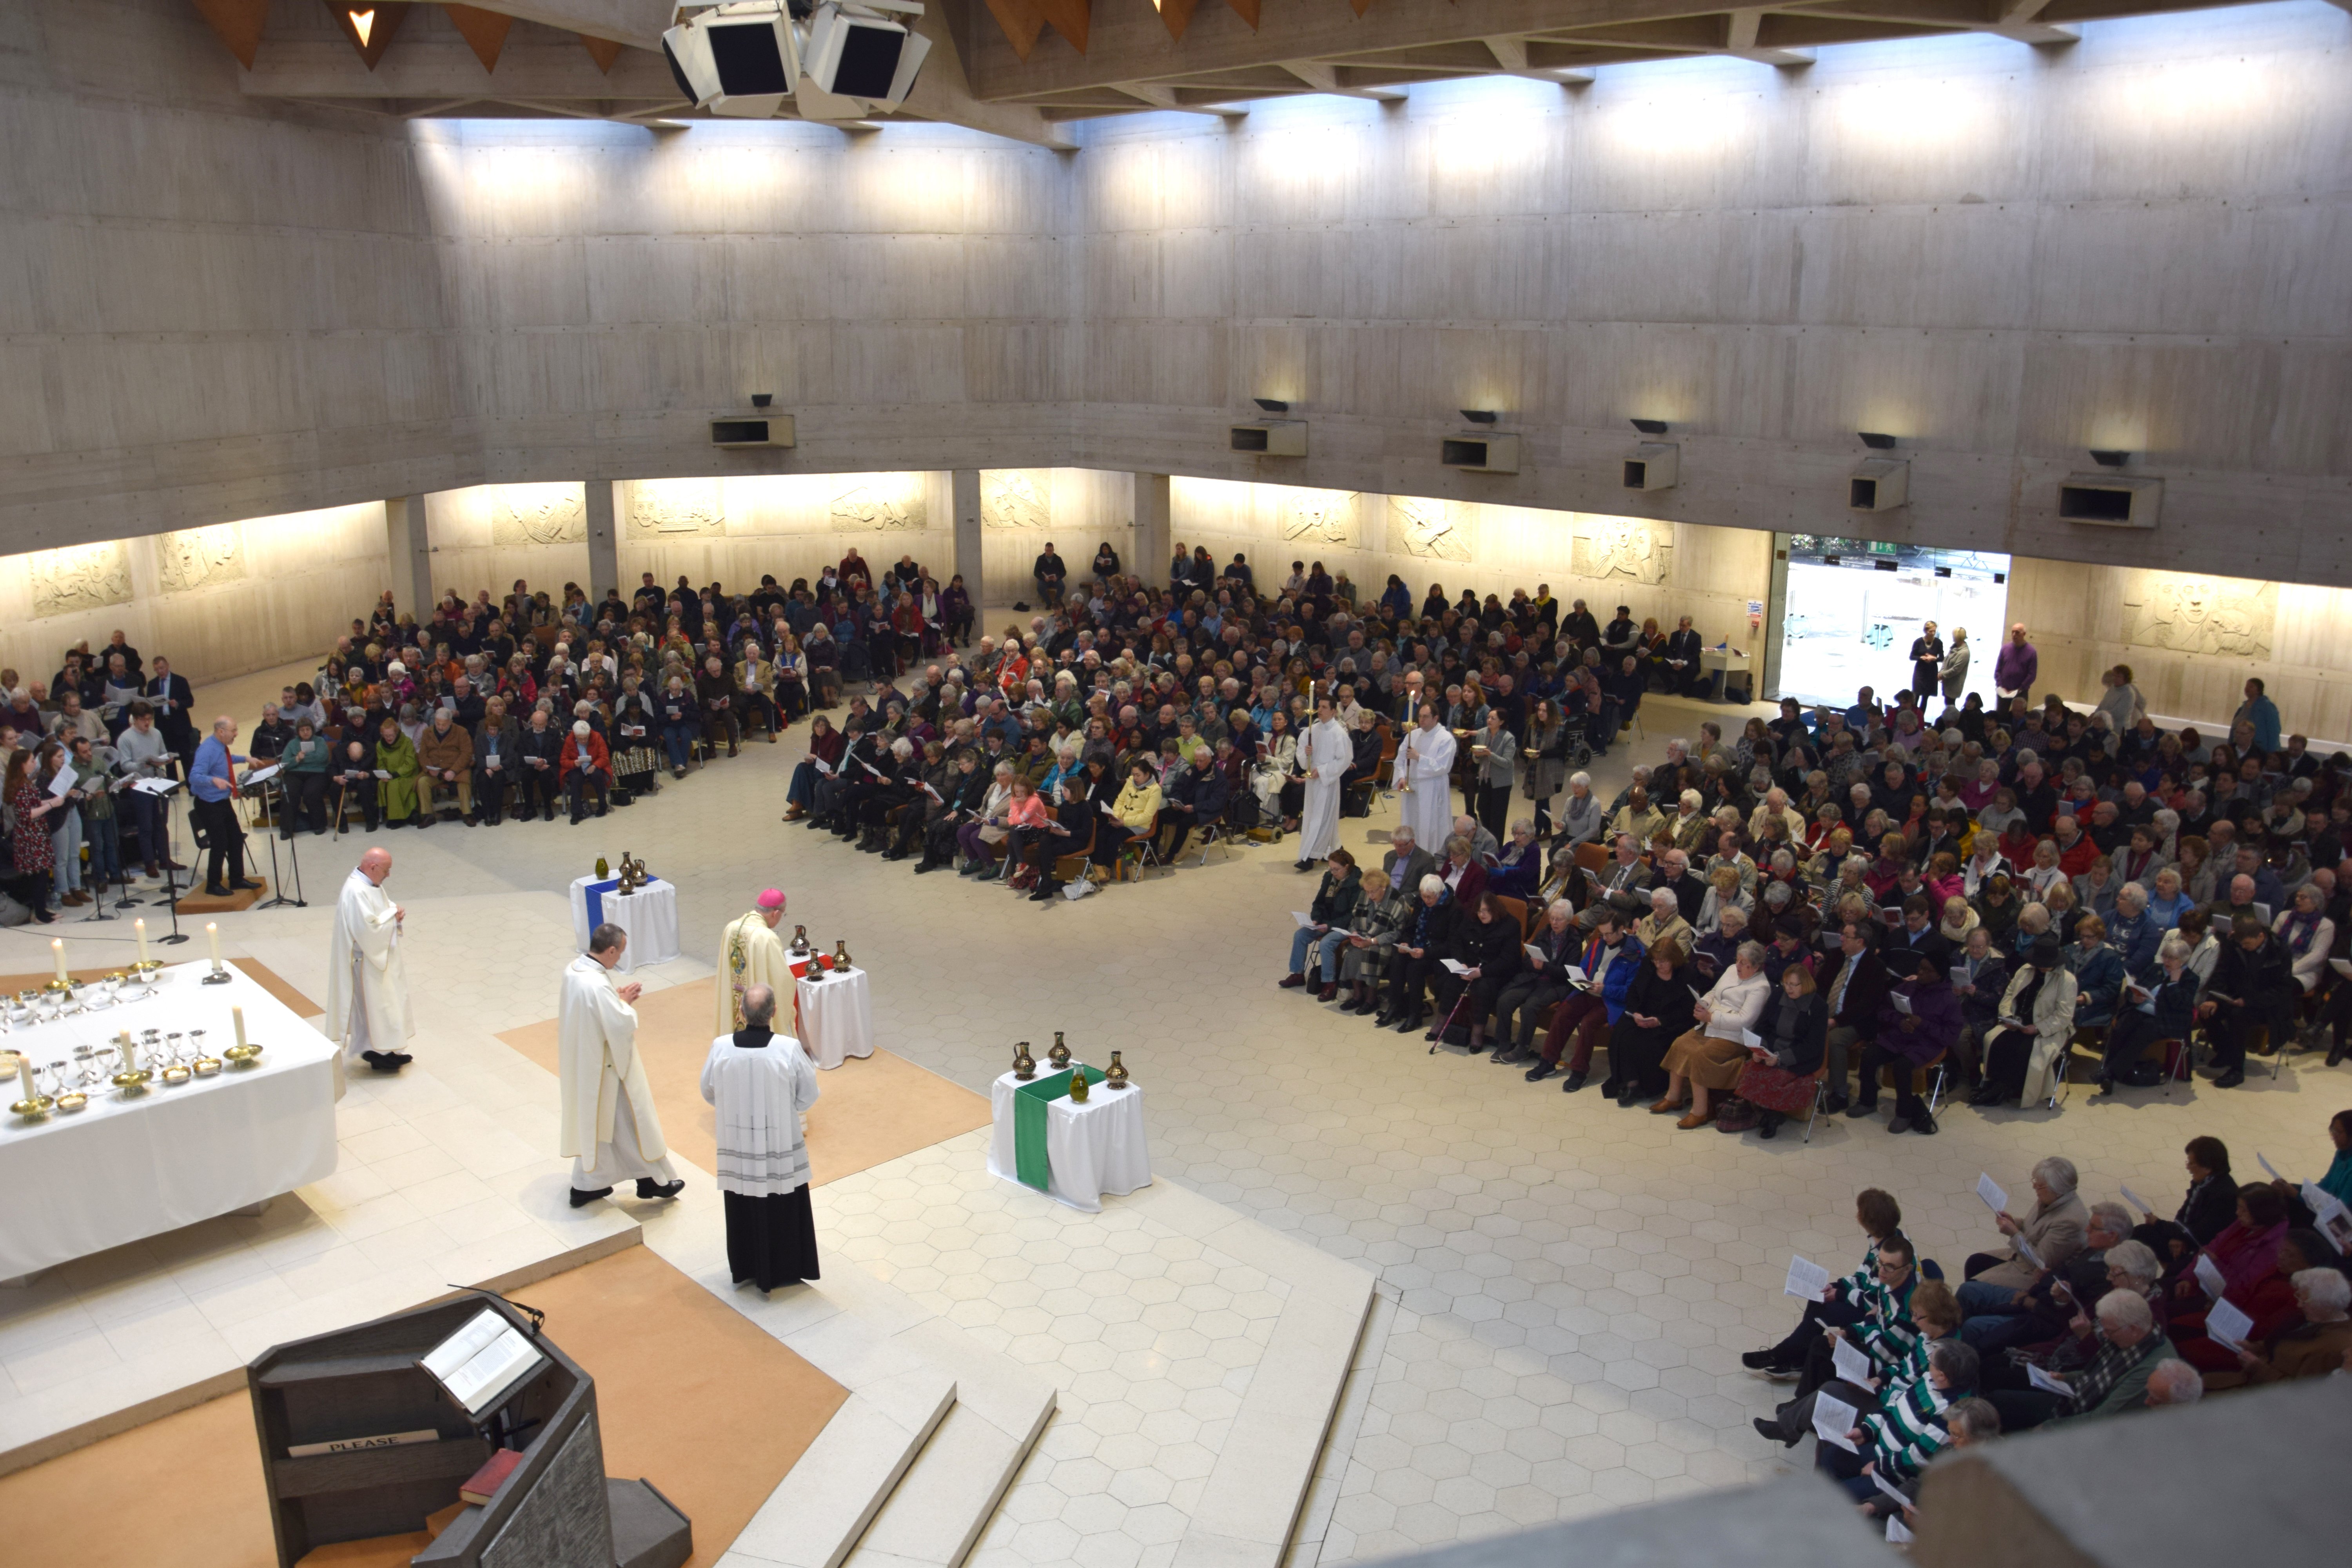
<point>1515,908</point>
<point>1592,857</point>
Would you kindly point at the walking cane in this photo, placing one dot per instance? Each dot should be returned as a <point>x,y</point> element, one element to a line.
<point>1454,1013</point>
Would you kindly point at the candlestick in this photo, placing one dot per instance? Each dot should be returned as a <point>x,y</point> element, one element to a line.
<point>140,927</point>
<point>57,950</point>
<point>236,1018</point>
<point>212,935</point>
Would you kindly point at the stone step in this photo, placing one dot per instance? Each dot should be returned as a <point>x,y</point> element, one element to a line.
<point>946,1498</point>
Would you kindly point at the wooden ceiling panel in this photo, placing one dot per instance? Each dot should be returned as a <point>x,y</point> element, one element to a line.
<point>238,23</point>
<point>485,32</point>
<point>1022,22</point>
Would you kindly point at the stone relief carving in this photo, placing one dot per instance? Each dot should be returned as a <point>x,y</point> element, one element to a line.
<point>2189,614</point>
<point>198,557</point>
<point>1016,498</point>
<point>1435,530</point>
<point>1321,517</point>
<point>79,578</point>
<point>539,514</point>
<point>880,505</point>
<point>665,508</point>
<point>1622,547</point>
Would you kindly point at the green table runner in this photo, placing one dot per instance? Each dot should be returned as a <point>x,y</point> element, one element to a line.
<point>1029,1102</point>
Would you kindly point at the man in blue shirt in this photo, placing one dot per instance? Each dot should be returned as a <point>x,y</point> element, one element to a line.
<point>212,781</point>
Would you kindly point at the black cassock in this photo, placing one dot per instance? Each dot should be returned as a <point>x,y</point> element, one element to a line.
<point>770,1239</point>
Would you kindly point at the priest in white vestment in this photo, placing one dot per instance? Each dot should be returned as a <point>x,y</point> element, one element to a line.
<point>610,1129</point>
<point>1324,757</point>
<point>1424,774</point>
<point>751,953</point>
<point>762,1083</point>
<point>367,987</point>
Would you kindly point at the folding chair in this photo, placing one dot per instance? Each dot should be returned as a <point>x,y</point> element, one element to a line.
<point>1082,843</point>
<point>1215,836</point>
<point>1939,1064</point>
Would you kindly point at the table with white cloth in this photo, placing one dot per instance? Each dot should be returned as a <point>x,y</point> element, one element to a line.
<point>1092,1149</point>
<point>836,1016</point>
<point>649,915</point>
<point>126,1168</point>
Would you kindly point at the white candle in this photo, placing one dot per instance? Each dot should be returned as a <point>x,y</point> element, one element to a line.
<point>130,1052</point>
<point>25,1078</point>
<point>140,927</point>
<point>57,951</point>
<point>236,1018</point>
<point>212,933</point>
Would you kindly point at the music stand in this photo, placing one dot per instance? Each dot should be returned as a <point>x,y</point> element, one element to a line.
<point>293,855</point>
<point>171,853</point>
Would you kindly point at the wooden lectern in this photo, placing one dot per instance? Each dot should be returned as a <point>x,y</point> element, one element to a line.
<point>557,1510</point>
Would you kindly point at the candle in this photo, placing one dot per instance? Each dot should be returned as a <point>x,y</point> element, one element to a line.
<point>140,927</point>
<point>236,1018</point>
<point>25,1078</point>
<point>57,951</point>
<point>212,933</point>
<point>129,1051</point>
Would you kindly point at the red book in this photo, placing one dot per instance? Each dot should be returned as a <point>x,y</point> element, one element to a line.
<point>484,1484</point>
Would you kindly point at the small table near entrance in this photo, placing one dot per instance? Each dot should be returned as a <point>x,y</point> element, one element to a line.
<point>1089,1150</point>
<point>836,1013</point>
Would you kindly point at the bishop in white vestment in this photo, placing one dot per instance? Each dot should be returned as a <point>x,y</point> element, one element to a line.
<point>751,953</point>
<point>1324,756</point>
<point>1425,772</point>
<point>609,1128</point>
<point>762,1083</point>
<point>367,987</point>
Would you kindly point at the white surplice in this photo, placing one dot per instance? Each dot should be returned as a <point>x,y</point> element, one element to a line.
<point>1324,756</point>
<point>1424,772</point>
<point>367,987</point>
<point>761,1093</point>
<point>610,1127</point>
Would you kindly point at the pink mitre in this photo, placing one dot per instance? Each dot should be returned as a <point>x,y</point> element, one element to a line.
<point>772,899</point>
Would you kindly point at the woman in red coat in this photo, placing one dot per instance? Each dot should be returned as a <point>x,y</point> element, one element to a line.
<point>585,764</point>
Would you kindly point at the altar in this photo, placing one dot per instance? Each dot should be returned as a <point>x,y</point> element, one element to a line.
<point>131,1166</point>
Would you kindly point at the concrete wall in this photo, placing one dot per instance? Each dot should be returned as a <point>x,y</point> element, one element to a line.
<point>2001,255</point>
<point>1662,569</point>
<point>219,601</point>
<point>209,309</point>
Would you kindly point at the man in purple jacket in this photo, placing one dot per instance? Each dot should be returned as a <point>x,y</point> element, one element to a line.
<point>2016,664</point>
<point>1918,1022</point>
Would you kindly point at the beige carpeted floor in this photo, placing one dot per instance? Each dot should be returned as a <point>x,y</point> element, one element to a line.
<point>870,1110</point>
<point>689,1394</point>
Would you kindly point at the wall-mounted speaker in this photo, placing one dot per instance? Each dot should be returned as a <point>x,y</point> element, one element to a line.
<point>1654,466</point>
<point>768,430</point>
<point>1481,454</point>
<point>1878,484</point>
<point>1270,437</point>
<point>2109,501</point>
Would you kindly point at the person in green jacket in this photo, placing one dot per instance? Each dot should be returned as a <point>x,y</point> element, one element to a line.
<point>396,755</point>
<point>305,778</point>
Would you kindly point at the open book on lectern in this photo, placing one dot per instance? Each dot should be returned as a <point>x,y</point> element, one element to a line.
<point>482,1363</point>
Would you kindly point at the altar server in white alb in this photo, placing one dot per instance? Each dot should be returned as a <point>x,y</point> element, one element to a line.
<point>611,1130</point>
<point>367,987</point>
<point>751,953</point>
<point>1323,758</point>
<point>760,1082</point>
<point>1424,774</point>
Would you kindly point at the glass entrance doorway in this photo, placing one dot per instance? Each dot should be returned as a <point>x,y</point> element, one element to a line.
<point>1854,606</point>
